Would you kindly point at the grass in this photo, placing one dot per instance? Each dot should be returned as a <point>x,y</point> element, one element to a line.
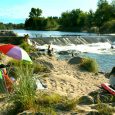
<point>89,64</point>
<point>24,89</point>
<point>46,110</point>
<point>68,105</point>
<point>56,102</point>
<point>25,97</point>
<point>37,68</point>
<point>105,109</point>
<point>48,99</point>
<point>103,103</point>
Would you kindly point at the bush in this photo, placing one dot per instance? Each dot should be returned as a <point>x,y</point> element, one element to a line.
<point>27,47</point>
<point>89,65</point>
<point>108,27</point>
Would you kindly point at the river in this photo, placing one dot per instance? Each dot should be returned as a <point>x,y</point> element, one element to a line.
<point>33,33</point>
<point>89,44</point>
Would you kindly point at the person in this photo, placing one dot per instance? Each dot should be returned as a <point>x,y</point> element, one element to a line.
<point>72,54</point>
<point>5,80</point>
<point>112,78</point>
<point>49,52</point>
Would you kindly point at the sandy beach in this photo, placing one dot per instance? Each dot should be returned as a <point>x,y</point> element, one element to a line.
<point>68,80</point>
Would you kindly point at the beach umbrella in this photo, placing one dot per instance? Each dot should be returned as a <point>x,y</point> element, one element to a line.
<point>14,52</point>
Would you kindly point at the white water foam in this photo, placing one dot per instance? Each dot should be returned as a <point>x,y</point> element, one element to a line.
<point>98,48</point>
<point>102,52</point>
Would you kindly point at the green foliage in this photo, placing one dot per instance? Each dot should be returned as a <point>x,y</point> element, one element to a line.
<point>51,23</point>
<point>11,40</point>
<point>35,23</point>
<point>105,109</point>
<point>56,101</point>
<point>75,20</point>
<point>89,64</point>
<point>68,105</point>
<point>90,19</point>
<point>48,99</point>
<point>108,27</point>
<point>103,13</point>
<point>27,47</point>
<point>2,26</point>
<point>24,88</point>
<point>37,68</point>
<point>35,12</point>
<point>47,110</point>
<point>40,23</point>
<point>10,26</point>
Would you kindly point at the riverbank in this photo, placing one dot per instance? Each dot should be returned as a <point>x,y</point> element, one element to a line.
<point>68,80</point>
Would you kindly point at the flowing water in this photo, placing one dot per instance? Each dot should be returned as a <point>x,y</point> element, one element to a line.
<point>99,47</point>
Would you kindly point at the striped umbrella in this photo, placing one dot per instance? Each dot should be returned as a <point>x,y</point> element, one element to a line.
<point>14,52</point>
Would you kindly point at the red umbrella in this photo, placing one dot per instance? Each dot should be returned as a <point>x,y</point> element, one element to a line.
<point>14,52</point>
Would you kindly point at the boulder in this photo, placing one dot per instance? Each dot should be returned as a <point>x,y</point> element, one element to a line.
<point>63,53</point>
<point>86,100</point>
<point>75,60</point>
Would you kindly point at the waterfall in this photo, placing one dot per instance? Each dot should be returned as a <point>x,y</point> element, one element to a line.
<point>74,40</point>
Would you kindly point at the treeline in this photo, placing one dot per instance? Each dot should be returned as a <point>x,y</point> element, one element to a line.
<point>11,26</point>
<point>102,20</point>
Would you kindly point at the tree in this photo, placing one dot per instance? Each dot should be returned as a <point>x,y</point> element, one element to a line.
<point>35,13</point>
<point>103,13</point>
<point>52,23</point>
<point>90,19</point>
<point>74,20</point>
<point>113,9</point>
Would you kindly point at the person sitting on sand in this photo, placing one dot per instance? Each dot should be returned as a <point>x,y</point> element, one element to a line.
<point>112,78</point>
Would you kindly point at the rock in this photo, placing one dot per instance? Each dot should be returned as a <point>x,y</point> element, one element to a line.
<point>94,93</point>
<point>75,60</point>
<point>33,55</point>
<point>93,113</point>
<point>63,53</point>
<point>101,95</point>
<point>86,100</point>
<point>45,63</point>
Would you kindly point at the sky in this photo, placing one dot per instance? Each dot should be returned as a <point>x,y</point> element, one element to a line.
<point>16,11</point>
